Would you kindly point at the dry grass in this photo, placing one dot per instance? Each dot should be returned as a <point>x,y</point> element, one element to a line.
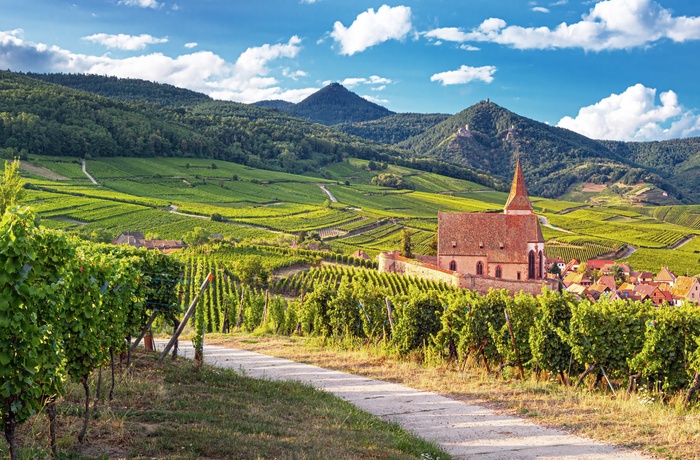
<point>176,411</point>
<point>665,430</point>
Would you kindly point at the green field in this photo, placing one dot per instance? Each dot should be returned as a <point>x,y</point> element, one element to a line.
<point>142,193</point>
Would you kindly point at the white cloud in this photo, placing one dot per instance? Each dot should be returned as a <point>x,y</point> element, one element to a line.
<point>635,116</point>
<point>141,3</point>
<point>609,25</point>
<point>125,42</point>
<point>191,45</point>
<point>246,80</point>
<point>371,28</point>
<point>467,47</point>
<point>294,75</point>
<point>465,74</point>
<point>376,100</point>
<point>378,88</point>
<point>540,9</point>
<point>372,80</point>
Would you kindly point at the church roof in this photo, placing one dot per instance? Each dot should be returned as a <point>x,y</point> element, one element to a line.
<point>518,199</point>
<point>500,237</point>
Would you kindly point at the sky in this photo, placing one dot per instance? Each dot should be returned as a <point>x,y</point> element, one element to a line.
<point>612,69</point>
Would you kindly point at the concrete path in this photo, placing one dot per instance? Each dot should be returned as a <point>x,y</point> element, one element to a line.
<point>464,430</point>
<point>92,179</point>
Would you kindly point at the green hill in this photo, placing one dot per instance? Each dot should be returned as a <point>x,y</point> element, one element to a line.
<point>332,105</point>
<point>394,128</point>
<point>489,138</point>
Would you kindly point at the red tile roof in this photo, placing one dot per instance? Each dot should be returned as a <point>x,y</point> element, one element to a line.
<point>500,237</point>
<point>518,199</point>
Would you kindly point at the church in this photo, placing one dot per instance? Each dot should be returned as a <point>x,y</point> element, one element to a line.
<point>480,251</point>
<point>509,246</point>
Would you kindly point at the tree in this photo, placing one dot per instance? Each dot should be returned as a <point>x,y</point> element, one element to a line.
<point>583,268</point>
<point>251,271</point>
<point>433,246</point>
<point>196,237</point>
<point>618,273</point>
<point>12,186</point>
<point>555,270</point>
<point>406,244</point>
<point>216,217</point>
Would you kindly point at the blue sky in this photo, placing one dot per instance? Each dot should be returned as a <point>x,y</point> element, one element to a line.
<point>613,69</point>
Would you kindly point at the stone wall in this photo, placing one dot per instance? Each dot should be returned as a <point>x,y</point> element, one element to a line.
<point>392,262</point>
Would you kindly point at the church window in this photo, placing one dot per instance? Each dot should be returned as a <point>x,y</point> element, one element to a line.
<point>453,266</point>
<point>541,256</point>
<point>531,265</point>
<point>518,275</point>
<point>479,268</point>
<point>498,272</point>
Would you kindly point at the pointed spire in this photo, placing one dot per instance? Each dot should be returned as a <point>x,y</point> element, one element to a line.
<point>518,201</point>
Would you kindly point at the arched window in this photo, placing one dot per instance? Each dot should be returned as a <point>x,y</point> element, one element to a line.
<point>531,265</point>
<point>498,272</point>
<point>453,266</point>
<point>541,265</point>
<point>479,268</point>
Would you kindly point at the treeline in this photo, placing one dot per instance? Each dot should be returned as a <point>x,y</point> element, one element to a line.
<point>68,307</point>
<point>125,89</point>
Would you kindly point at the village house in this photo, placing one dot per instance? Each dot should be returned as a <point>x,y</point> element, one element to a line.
<point>686,288</point>
<point>665,276</point>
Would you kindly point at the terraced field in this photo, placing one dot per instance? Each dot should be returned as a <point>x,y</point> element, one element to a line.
<point>143,193</point>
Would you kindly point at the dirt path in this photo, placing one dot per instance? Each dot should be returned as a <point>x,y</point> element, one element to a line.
<point>92,179</point>
<point>544,221</point>
<point>683,242</point>
<point>464,430</point>
<point>628,252</point>
<point>327,192</point>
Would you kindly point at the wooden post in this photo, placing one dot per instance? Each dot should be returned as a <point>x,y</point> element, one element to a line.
<point>145,330</point>
<point>239,321</point>
<point>388,313</point>
<point>187,316</point>
<point>515,349</point>
<point>267,303</point>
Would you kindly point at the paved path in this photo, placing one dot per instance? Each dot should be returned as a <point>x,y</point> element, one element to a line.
<point>92,179</point>
<point>465,431</point>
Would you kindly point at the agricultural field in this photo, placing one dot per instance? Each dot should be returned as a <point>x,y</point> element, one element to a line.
<point>169,197</point>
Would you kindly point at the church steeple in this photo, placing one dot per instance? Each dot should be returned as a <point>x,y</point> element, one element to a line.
<point>518,202</point>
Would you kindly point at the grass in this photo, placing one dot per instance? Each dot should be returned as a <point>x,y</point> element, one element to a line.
<point>664,430</point>
<point>176,411</point>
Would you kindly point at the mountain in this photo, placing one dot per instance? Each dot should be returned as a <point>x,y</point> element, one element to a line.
<point>394,128</point>
<point>37,117</point>
<point>488,138</point>
<point>331,105</point>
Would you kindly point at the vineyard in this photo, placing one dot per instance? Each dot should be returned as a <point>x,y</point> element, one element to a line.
<point>568,247</point>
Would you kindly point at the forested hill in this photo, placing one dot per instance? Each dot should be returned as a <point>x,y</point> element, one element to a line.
<point>37,117</point>
<point>42,118</point>
<point>126,89</point>
<point>393,128</point>
<point>332,105</point>
<point>489,138</point>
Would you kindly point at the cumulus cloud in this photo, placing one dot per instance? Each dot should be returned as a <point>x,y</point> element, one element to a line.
<point>246,80</point>
<point>376,100</point>
<point>294,75</point>
<point>372,80</point>
<point>465,74</point>
<point>141,3</point>
<point>191,45</point>
<point>371,28</point>
<point>125,42</point>
<point>635,116</point>
<point>609,25</point>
